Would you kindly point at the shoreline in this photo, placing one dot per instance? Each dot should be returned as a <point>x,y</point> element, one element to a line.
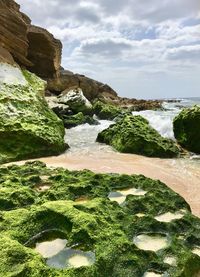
<point>175,173</point>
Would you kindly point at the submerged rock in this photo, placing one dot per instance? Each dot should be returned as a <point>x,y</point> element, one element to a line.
<point>187,128</point>
<point>56,235</point>
<point>28,128</point>
<point>133,134</point>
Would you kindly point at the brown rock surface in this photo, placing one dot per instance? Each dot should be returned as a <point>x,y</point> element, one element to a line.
<point>13,31</point>
<point>5,56</point>
<point>139,104</point>
<point>68,80</point>
<point>44,52</point>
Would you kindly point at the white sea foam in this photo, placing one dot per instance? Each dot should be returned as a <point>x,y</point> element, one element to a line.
<point>82,139</point>
<point>161,121</point>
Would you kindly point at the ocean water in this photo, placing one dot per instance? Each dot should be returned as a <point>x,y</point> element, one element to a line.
<point>162,121</point>
<point>180,174</point>
<point>82,139</point>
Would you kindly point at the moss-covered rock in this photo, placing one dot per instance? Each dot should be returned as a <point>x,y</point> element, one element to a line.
<point>75,99</point>
<point>78,119</point>
<point>76,207</point>
<point>187,128</point>
<point>108,111</point>
<point>133,134</point>
<point>28,128</point>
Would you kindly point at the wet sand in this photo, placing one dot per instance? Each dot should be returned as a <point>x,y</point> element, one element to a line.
<point>178,174</point>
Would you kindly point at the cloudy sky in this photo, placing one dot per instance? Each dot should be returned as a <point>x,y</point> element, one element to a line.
<point>142,48</point>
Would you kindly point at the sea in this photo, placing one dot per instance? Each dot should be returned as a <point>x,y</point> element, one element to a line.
<point>180,174</point>
<point>82,139</point>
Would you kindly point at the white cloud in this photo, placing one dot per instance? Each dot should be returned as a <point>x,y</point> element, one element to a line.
<point>140,47</point>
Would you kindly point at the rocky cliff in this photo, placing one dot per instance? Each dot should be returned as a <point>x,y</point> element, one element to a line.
<point>44,52</point>
<point>37,50</point>
<point>13,31</point>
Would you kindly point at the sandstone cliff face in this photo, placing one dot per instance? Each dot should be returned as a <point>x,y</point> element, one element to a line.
<point>13,31</point>
<point>44,52</point>
<point>92,89</point>
<point>38,50</point>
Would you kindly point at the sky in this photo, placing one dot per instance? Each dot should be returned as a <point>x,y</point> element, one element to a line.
<point>141,48</point>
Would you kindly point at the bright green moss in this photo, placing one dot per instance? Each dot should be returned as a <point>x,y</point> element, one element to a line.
<point>133,134</point>
<point>28,128</point>
<point>108,111</point>
<point>78,119</point>
<point>97,225</point>
<point>187,128</point>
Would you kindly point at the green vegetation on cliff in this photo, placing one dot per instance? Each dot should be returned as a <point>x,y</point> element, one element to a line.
<point>28,128</point>
<point>133,134</point>
<point>187,128</point>
<point>75,206</point>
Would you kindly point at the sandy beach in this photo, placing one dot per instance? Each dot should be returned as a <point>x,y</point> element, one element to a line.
<point>179,174</point>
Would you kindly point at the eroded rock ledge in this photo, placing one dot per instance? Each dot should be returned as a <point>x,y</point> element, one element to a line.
<point>131,224</point>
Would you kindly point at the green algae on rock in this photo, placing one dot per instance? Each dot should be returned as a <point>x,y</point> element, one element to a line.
<point>76,101</point>
<point>133,134</point>
<point>187,128</point>
<point>108,111</point>
<point>28,128</point>
<point>98,226</point>
<point>78,119</point>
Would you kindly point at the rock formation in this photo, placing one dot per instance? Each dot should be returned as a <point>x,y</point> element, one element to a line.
<point>133,134</point>
<point>37,50</point>
<point>44,52</point>
<point>13,31</point>
<point>91,89</point>
<point>187,128</point>
<point>28,128</point>
<point>75,99</point>
<point>108,111</point>
<point>39,204</point>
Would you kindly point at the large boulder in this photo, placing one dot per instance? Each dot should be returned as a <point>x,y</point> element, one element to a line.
<point>78,119</point>
<point>75,99</point>
<point>108,111</point>
<point>133,134</point>
<point>91,89</point>
<point>13,31</point>
<point>187,128</point>
<point>28,128</point>
<point>44,52</point>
